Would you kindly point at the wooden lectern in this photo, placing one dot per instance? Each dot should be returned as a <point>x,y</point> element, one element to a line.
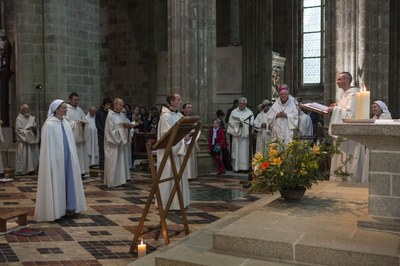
<point>182,128</point>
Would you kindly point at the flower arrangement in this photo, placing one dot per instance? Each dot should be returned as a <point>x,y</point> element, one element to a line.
<point>292,166</point>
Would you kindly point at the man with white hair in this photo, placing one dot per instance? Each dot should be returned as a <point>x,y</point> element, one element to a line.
<point>27,155</point>
<point>283,116</point>
<point>239,124</point>
<point>116,137</point>
<point>76,117</point>
<point>92,146</point>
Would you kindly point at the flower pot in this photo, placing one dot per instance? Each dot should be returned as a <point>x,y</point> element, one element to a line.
<point>293,194</point>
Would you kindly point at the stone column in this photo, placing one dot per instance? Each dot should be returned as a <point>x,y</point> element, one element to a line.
<point>235,22</point>
<point>256,31</point>
<point>192,53</point>
<point>362,43</point>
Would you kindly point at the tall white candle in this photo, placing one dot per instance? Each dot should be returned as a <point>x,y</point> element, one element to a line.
<point>363,104</point>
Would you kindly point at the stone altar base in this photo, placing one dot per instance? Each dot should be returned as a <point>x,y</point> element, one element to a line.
<point>320,230</point>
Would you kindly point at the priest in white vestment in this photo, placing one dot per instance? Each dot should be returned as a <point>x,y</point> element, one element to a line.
<point>260,126</point>
<point>346,109</point>
<point>283,116</point>
<point>60,189</point>
<point>77,119</point>
<point>239,127</point>
<point>305,125</point>
<point>168,117</point>
<point>116,137</point>
<point>191,166</point>
<point>27,155</point>
<point>91,141</point>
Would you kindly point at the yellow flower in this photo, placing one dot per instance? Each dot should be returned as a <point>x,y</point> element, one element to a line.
<point>276,161</point>
<point>257,159</point>
<point>316,149</point>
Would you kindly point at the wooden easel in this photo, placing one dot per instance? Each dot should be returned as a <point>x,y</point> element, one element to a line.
<point>182,128</point>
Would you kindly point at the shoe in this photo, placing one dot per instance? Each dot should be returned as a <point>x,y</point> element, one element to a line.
<point>248,185</point>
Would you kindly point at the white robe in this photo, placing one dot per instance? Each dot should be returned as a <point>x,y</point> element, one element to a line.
<point>27,155</point>
<point>92,144</point>
<point>76,117</point>
<point>116,137</point>
<point>365,176</point>
<point>346,109</point>
<point>1,160</point>
<point>167,120</point>
<point>283,128</point>
<point>51,190</point>
<point>240,137</point>
<point>263,134</point>
<point>306,126</point>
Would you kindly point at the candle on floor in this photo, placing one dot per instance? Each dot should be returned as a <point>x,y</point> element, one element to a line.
<point>363,104</point>
<point>141,249</point>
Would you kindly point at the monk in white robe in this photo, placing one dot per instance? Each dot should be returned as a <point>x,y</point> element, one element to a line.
<point>60,189</point>
<point>77,119</point>
<point>346,109</point>
<point>168,117</point>
<point>260,126</point>
<point>283,116</point>
<point>92,146</point>
<point>191,166</point>
<point>116,137</point>
<point>239,127</point>
<point>27,155</point>
<point>305,125</point>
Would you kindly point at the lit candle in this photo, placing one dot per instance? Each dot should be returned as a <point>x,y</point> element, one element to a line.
<point>363,104</point>
<point>141,250</point>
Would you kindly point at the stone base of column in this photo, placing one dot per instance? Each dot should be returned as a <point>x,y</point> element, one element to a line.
<point>379,224</point>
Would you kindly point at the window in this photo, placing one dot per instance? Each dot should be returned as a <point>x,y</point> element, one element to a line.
<point>313,37</point>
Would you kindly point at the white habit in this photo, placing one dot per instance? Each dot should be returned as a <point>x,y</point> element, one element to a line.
<point>263,134</point>
<point>92,146</point>
<point>1,161</point>
<point>305,125</point>
<point>116,137</point>
<point>77,118</point>
<point>168,119</point>
<point>240,137</point>
<point>283,128</point>
<point>27,154</point>
<point>346,109</point>
<point>51,203</point>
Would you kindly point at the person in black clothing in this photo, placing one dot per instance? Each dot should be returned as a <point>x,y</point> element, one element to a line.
<point>235,105</point>
<point>101,116</point>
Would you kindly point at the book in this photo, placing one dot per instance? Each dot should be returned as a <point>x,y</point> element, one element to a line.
<point>315,107</point>
<point>27,232</point>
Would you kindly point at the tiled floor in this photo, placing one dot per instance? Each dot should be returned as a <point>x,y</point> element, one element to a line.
<point>102,235</point>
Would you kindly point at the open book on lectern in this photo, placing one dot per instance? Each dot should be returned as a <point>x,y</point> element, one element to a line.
<point>315,107</point>
<point>186,124</point>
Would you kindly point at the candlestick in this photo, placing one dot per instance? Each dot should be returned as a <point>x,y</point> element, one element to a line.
<point>363,104</point>
<point>141,250</point>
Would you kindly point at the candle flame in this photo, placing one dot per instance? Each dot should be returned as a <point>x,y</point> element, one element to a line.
<point>364,88</point>
<point>142,242</point>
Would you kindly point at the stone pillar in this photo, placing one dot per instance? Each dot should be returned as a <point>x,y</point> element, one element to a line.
<point>383,142</point>
<point>362,43</point>
<point>192,53</point>
<point>235,22</point>
<point>256,31</point>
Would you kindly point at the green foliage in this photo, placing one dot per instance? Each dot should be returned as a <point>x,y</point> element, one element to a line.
<point>291,166</point>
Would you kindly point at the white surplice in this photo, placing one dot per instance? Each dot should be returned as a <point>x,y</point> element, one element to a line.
<point>263,134</point>
<point>27,155</point>
<point>240,137</point>
<point>167,120</point>
<point>92,144</point>
<point>283,128</point>
<point>51,191</point>
<point>116,137</point>
<point>77,118</point>
<point>346,109</point>
<point>1,161</point>
<point>305,125</point>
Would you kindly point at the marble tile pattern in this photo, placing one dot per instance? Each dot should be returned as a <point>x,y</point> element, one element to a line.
<point>102,234</point>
